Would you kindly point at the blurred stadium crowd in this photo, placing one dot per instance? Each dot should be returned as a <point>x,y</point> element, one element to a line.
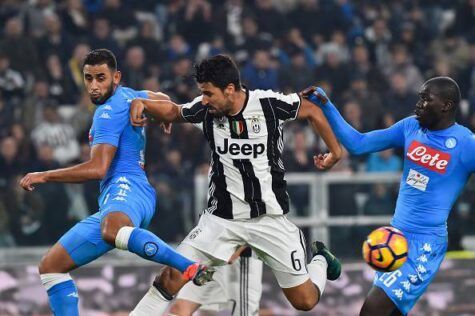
<point>370,56</point>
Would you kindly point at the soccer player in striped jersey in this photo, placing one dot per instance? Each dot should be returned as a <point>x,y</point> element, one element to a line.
<point>236,287</point>
<point>439,159</point>
<point>247,197</point>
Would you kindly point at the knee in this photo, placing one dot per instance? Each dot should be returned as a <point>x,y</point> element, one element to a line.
<point>108,234</point>
<point>305,303</point>
<point>44,266</point>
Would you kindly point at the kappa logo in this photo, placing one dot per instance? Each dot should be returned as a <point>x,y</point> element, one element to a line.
<point>428,157</point>
<point>107,107</point>
<point>150,249</point>
<point>73,294</point>
<point>105,115</point>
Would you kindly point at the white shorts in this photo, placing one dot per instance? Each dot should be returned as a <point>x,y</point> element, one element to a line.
<point>236,287</point>
<point>275,240</point>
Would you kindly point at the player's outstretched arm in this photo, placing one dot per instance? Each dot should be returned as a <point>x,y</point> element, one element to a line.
<point>355,142</point>
<point>162,110</point>
<point>320,125</point>
<point>94,169</point>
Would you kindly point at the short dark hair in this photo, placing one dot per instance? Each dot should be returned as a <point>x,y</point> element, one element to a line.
<point>447,88</point>
<point>220,70</point>
<point>101,56</point>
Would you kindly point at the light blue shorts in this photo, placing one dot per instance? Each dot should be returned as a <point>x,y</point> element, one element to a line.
<point>407,284</point>
<point>135,198</point>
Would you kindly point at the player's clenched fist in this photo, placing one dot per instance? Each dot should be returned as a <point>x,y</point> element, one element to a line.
<point>137,117</point>
<point>28,181</point>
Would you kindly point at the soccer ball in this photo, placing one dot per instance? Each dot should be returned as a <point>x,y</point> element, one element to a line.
<point>385,249</point>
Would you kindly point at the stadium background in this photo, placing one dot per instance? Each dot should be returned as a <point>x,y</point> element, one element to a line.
<point>370,56</point>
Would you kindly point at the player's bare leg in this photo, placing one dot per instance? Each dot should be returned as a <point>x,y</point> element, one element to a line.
<point>377,303</point>
<point>324,265</point>
<point>62,292</point>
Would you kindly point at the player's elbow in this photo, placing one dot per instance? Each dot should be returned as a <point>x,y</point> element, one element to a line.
<point>99,173</point>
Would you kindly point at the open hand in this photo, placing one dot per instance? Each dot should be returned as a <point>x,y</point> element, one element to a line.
<point>28,181</point>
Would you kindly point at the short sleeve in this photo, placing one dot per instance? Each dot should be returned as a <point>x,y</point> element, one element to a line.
<point>194,111</point>
<point>286,106</point>
<point>142,94</point>
<point>109,124</point>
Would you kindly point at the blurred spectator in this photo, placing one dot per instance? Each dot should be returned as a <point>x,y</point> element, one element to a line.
<point>147,39</point>
<point>296,76</point>
<point>369,101</point>
<point>252,40</point>
<point>379,37</point>
<point>361,65</point>
<point>177,47</point>
<point>74,66</point>
<point>60,86</point>
<point>102,36</point>
<point>11,81</point>
<point>197,15</point>
<point>19,48</point>
<point>81,120</point>
<point>27,211</point>
<point>270,19</point>
<point>294,42</point>
<point>134,70</point>
<point>9,164</point>
<point>6,114</point>
<point>260,73</point>
<point>353,115</point>
<point>26,151</point>
<point>55,219</point>
<point>400,101</point>
<point>55,40</point>
<point>401,63</point>
<point>58,135</point>
<point>465,18</point>
<point>34,16</point>
<point>6,238</point>
<point>466,78</point>
<point>178,83</point>
<point>123,21</point>
<point>75,18</point>
<point>333,69</point>
<point>452,47</point>
<point>384,161</point>
<point>34,105</point>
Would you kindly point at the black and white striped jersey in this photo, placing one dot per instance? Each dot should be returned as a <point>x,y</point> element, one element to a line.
<point>246,175</point>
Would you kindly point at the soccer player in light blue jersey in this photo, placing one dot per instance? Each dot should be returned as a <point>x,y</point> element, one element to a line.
<point>126,201</point>
<point>439,158</point>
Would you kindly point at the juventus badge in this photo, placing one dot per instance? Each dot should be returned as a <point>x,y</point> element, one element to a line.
<point>256,126</point>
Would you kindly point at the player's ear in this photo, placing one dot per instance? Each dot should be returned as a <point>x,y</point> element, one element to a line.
<point>448,106</point>
<point>116,77</point>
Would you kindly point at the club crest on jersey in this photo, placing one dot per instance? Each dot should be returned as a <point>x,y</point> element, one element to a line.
<point>255,124</point>
<point>450,142</point>
<point>428,157</point>
<point>237,127</point>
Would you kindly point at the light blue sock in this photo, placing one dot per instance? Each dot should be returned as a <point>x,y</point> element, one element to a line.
<point>148,246</point>
<point>63,299</point>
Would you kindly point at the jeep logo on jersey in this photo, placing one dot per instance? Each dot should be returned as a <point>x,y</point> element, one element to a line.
<point>428,157</point>
<point>240,148</point>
